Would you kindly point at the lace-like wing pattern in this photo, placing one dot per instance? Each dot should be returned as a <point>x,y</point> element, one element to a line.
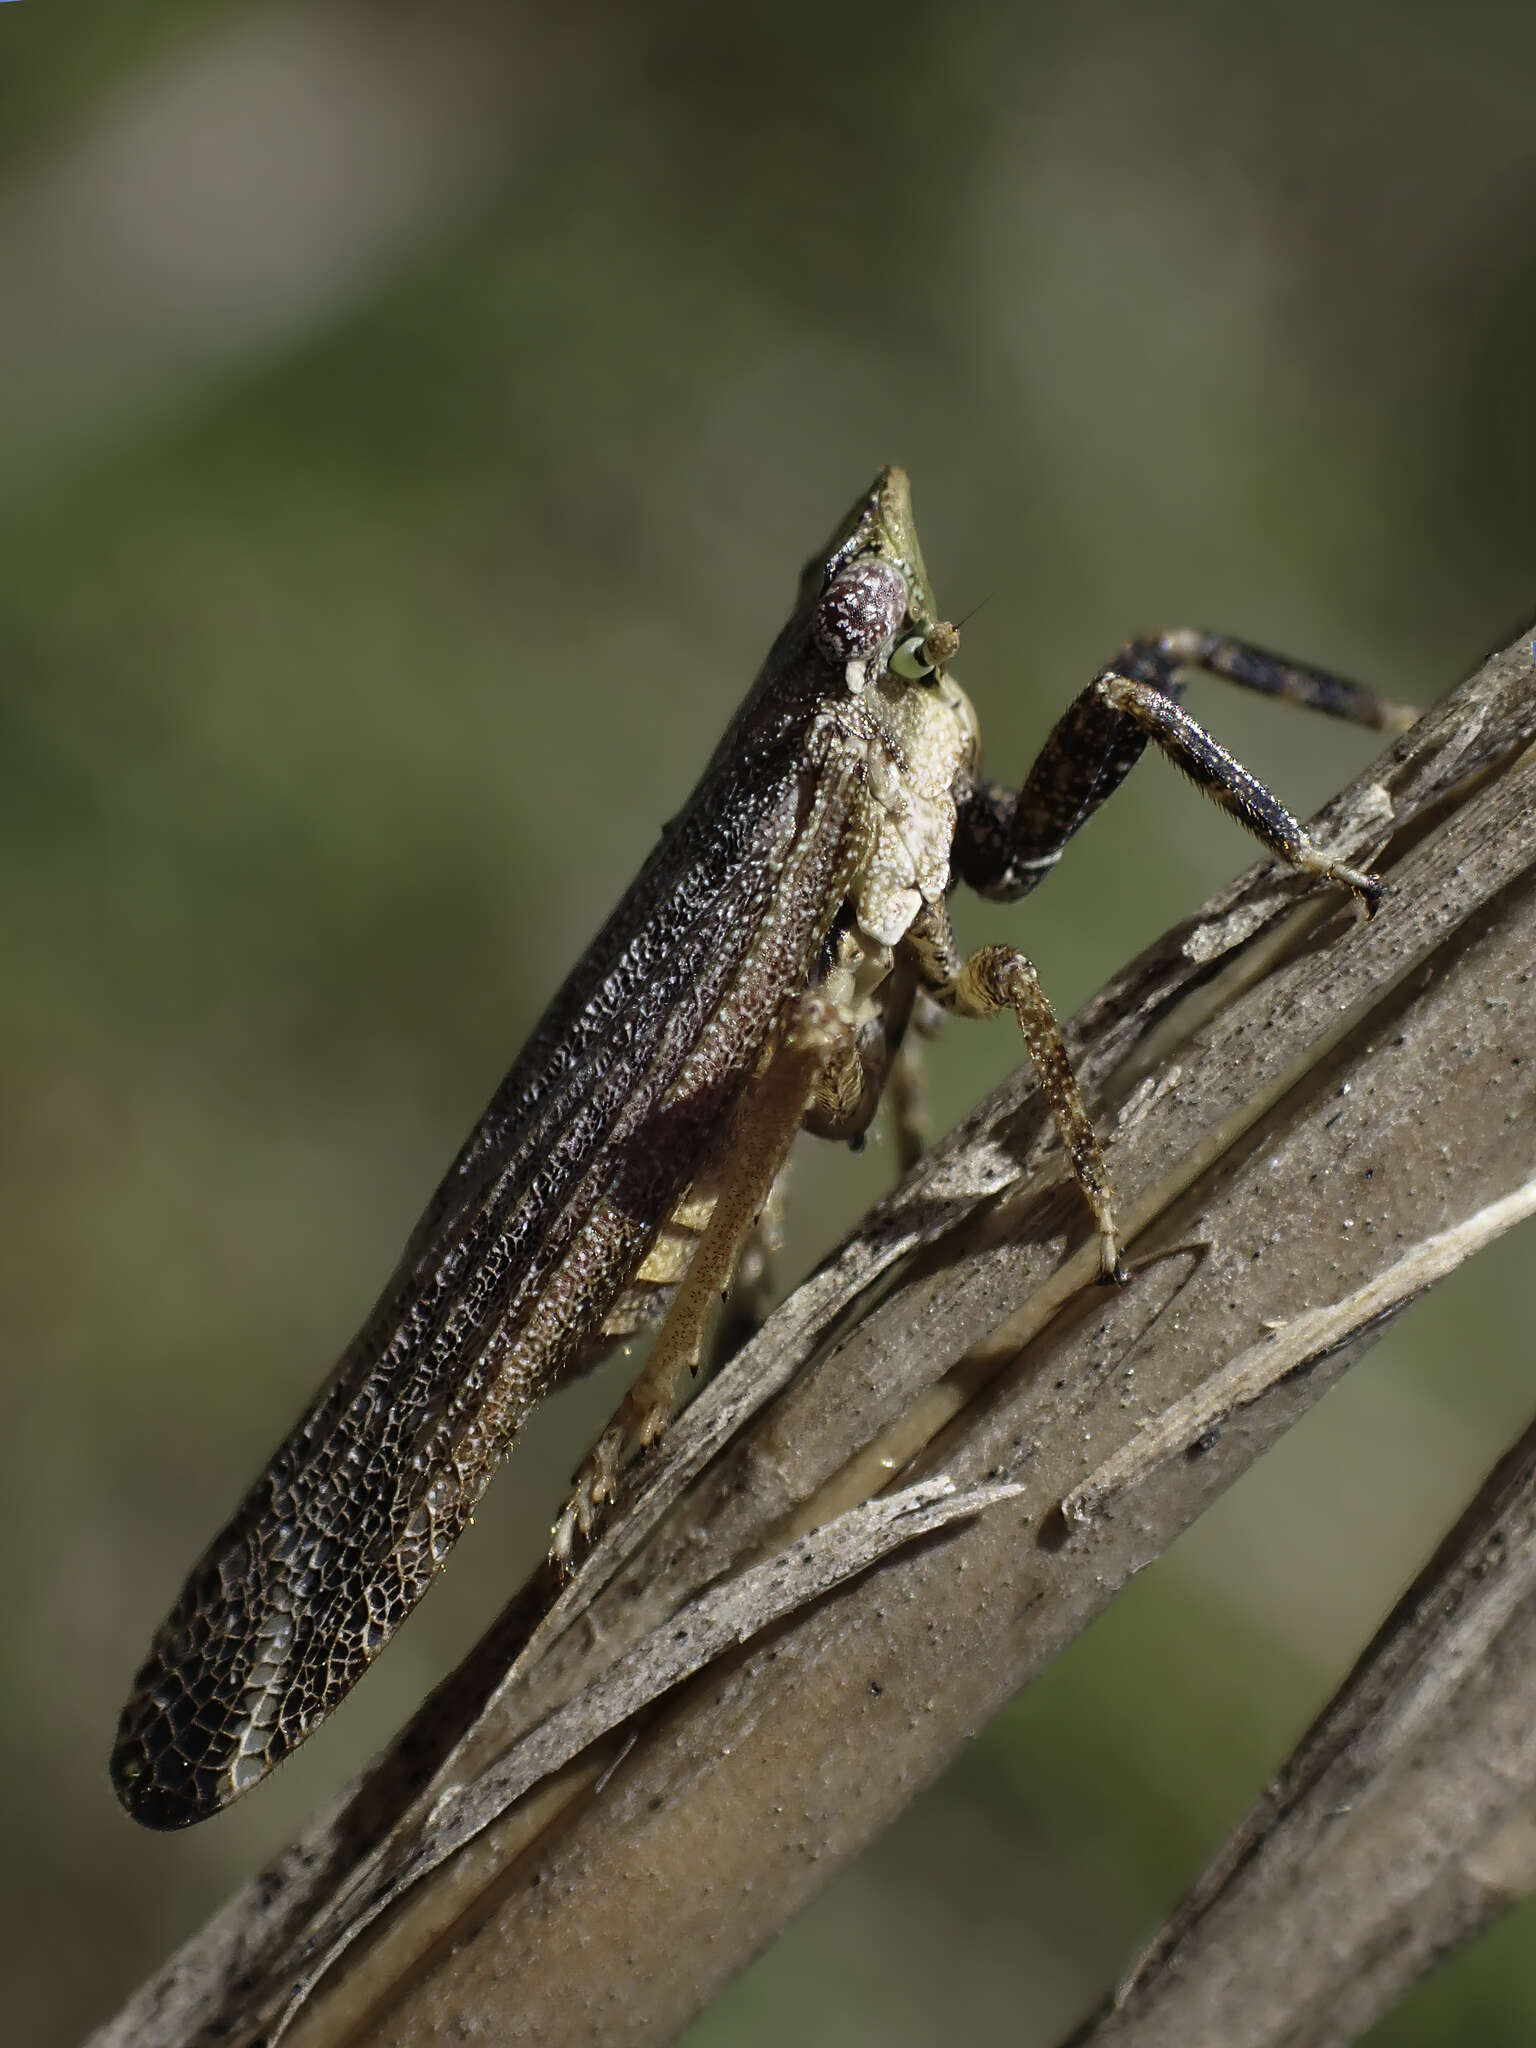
<point>539,1224</point>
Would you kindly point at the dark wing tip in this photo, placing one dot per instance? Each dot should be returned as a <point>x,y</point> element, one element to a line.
<point>178,1757</point>
<point>163,1792</point>
<point>160,1783</point>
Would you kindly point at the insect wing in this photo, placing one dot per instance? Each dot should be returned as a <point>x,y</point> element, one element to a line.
<point>630,1078</point>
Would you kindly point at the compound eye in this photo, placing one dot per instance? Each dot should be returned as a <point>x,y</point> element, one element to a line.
<point>860,612</point>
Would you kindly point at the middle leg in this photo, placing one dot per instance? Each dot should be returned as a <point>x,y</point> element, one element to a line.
<point>1001,978</point>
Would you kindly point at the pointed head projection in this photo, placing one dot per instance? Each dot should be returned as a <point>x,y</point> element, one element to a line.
<point>874,608</point>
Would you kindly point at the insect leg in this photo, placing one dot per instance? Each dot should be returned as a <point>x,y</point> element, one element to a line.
<point>908,1102</point>
<point>752,1285</point>
<point>1228,783</point>
<point>813,1037</point>
<point>905,1091</point>
<point>1251,668</point>
<point>1007,842</point>
<point>1000,978</point>
<point>880,1064</point>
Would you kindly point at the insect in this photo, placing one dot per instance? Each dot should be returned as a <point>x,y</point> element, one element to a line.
<point>758,976</point>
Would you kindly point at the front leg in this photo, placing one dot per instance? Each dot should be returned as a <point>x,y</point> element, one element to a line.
<point>1000,978</point>
<point>1008,841</point>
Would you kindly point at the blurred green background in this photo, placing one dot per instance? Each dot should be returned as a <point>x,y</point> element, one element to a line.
<point>412,420</point>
